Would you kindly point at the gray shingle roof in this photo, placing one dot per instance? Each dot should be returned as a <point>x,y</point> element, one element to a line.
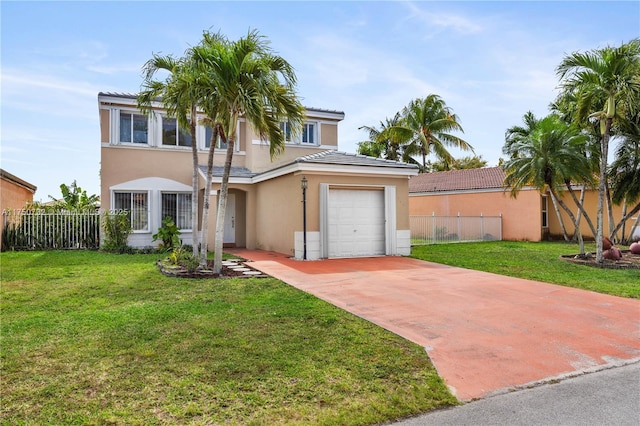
<point>458,180</point>
<point>236,172</point>
<point>343,158</point>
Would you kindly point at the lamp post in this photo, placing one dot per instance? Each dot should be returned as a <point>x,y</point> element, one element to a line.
<point>303,185</point>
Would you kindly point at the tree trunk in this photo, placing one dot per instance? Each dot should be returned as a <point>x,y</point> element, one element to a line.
<point>626,217</point>
<point>222,201</point>
<point>612,232</point>
<point>580,205</point>
<point>555,207</point>
<point>194,182</point>
<point>574,220</point>
<point>207,196</point>
<point>602,189</point>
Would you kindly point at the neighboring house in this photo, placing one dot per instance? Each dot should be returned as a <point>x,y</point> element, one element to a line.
<point>474,192</point>
<point>355,205</point>
<point>15,193</point>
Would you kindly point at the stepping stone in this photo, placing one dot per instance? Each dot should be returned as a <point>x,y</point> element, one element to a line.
<point>252,273</point>
<point>241,269</point>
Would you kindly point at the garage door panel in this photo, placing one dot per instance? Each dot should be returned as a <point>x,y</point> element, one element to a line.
<point>356,223</point>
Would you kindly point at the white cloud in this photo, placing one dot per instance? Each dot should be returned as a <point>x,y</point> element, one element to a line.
<point>435,22</point>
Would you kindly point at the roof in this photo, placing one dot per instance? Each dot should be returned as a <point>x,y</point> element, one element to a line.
<point>236,172</point>
<point>344,158</point>
<point>16,180</point>
<point>458,180</point>
<point>134,97</point>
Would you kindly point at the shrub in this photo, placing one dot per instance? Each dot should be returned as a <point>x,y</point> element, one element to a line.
<point>117,228</point>
<point>169,234</point>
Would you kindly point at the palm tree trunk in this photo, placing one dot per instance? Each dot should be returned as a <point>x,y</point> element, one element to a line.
<point>602,189</point>
<point>626,217</point>
<point>207,195</point>
<point>580,205</point>
<point>612,233</point>
<point>555,207</point>
<point>222,202</point>
<point>194,182</point>
<point>576,223</point>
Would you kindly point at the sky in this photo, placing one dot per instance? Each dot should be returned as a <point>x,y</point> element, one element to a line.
<point>490,62</point>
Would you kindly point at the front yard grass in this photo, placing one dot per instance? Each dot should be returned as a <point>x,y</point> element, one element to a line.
<point>538,261</point>
<point>96,338</point>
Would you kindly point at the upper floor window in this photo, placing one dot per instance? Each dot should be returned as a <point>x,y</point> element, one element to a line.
<point>173,135</point>
<point>137,205</point>
<point>309,133</point>
<point>134,128</point>
<point>207,139</point>
<point>308,137</point>
<point>178,207</point>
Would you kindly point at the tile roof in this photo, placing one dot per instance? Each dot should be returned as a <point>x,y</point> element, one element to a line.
<point>458,180</point>
<point>344,158</point>
<point>237,172</point>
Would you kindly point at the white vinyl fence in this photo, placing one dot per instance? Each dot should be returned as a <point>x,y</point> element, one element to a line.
<point>41,230</point>
<point>449,229</point>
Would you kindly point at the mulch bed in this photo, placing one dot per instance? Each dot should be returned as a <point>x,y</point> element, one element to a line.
<point>628,260</point>
<point>227,272</point>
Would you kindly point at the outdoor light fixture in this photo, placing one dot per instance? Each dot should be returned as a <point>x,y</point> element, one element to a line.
<point>303,185</point>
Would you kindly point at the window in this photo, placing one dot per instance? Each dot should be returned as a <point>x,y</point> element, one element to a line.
<point>137,205</point>
<point>308,136</point>
<point>545,211</point>
<point>285,127</point>
<point>178,208</point>
<point>173,135</point>
<point>133,128</point>
<point>207,139</point>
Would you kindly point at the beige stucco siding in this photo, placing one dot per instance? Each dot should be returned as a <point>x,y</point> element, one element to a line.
<point>521,217</point>
<point>591,206</point>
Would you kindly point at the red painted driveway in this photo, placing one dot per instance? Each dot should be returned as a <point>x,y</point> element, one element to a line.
<point>484,332</point>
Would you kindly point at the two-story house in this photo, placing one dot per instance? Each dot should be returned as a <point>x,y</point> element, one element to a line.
<point>355,205</point>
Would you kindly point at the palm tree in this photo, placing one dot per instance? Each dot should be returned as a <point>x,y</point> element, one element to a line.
<point>625,170</point>
<point>604,81</point>
<point>517,133</point>
<point>248,80</point>
<point>380,144</point>
<point>179,94</point>
<point>424,130</point>
<point>546,158</point>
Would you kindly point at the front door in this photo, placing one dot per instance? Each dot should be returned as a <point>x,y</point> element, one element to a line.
<point>230,221</point>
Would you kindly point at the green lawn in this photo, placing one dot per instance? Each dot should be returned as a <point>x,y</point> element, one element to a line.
<point>536,261</point>
<point>95,338</point>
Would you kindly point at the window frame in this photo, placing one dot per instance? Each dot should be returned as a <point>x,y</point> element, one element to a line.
<point>176,219</point>
<point>132,113</point>
<point>544,209</point>
<point>299,139</point>
<point>130,209</point>
<point>165,119</point>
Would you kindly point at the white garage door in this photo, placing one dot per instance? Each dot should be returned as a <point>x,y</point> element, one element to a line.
<point>356,223</point>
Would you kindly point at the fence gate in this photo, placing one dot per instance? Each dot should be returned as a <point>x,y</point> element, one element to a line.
<point>41,230</point>
<point>449,229</point>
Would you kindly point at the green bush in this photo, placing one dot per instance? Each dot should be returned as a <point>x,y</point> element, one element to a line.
<point>117,228</point>
<point>169,233</point>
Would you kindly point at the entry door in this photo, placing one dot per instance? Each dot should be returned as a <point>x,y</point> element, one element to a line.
<point>230,220</point>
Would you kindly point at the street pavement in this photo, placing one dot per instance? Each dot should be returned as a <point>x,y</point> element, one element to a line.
<point>606,397</point>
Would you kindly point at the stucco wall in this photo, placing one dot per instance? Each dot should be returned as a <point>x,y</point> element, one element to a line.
<point>278,206</point>
<point>591,207</point>
<point>521,217</point>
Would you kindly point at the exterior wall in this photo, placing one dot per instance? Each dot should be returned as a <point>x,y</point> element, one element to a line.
<point>278,206</point>
<point>521,216</point>
<point>591,206</point>
<point>14,195</point>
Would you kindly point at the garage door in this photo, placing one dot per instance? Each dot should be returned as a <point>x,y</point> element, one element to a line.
<point>356,223</point>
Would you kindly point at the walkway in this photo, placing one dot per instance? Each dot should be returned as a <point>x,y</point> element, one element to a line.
<point>485,333</point>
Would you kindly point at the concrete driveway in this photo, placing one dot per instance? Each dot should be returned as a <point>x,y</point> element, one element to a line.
<point>485,333</point>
